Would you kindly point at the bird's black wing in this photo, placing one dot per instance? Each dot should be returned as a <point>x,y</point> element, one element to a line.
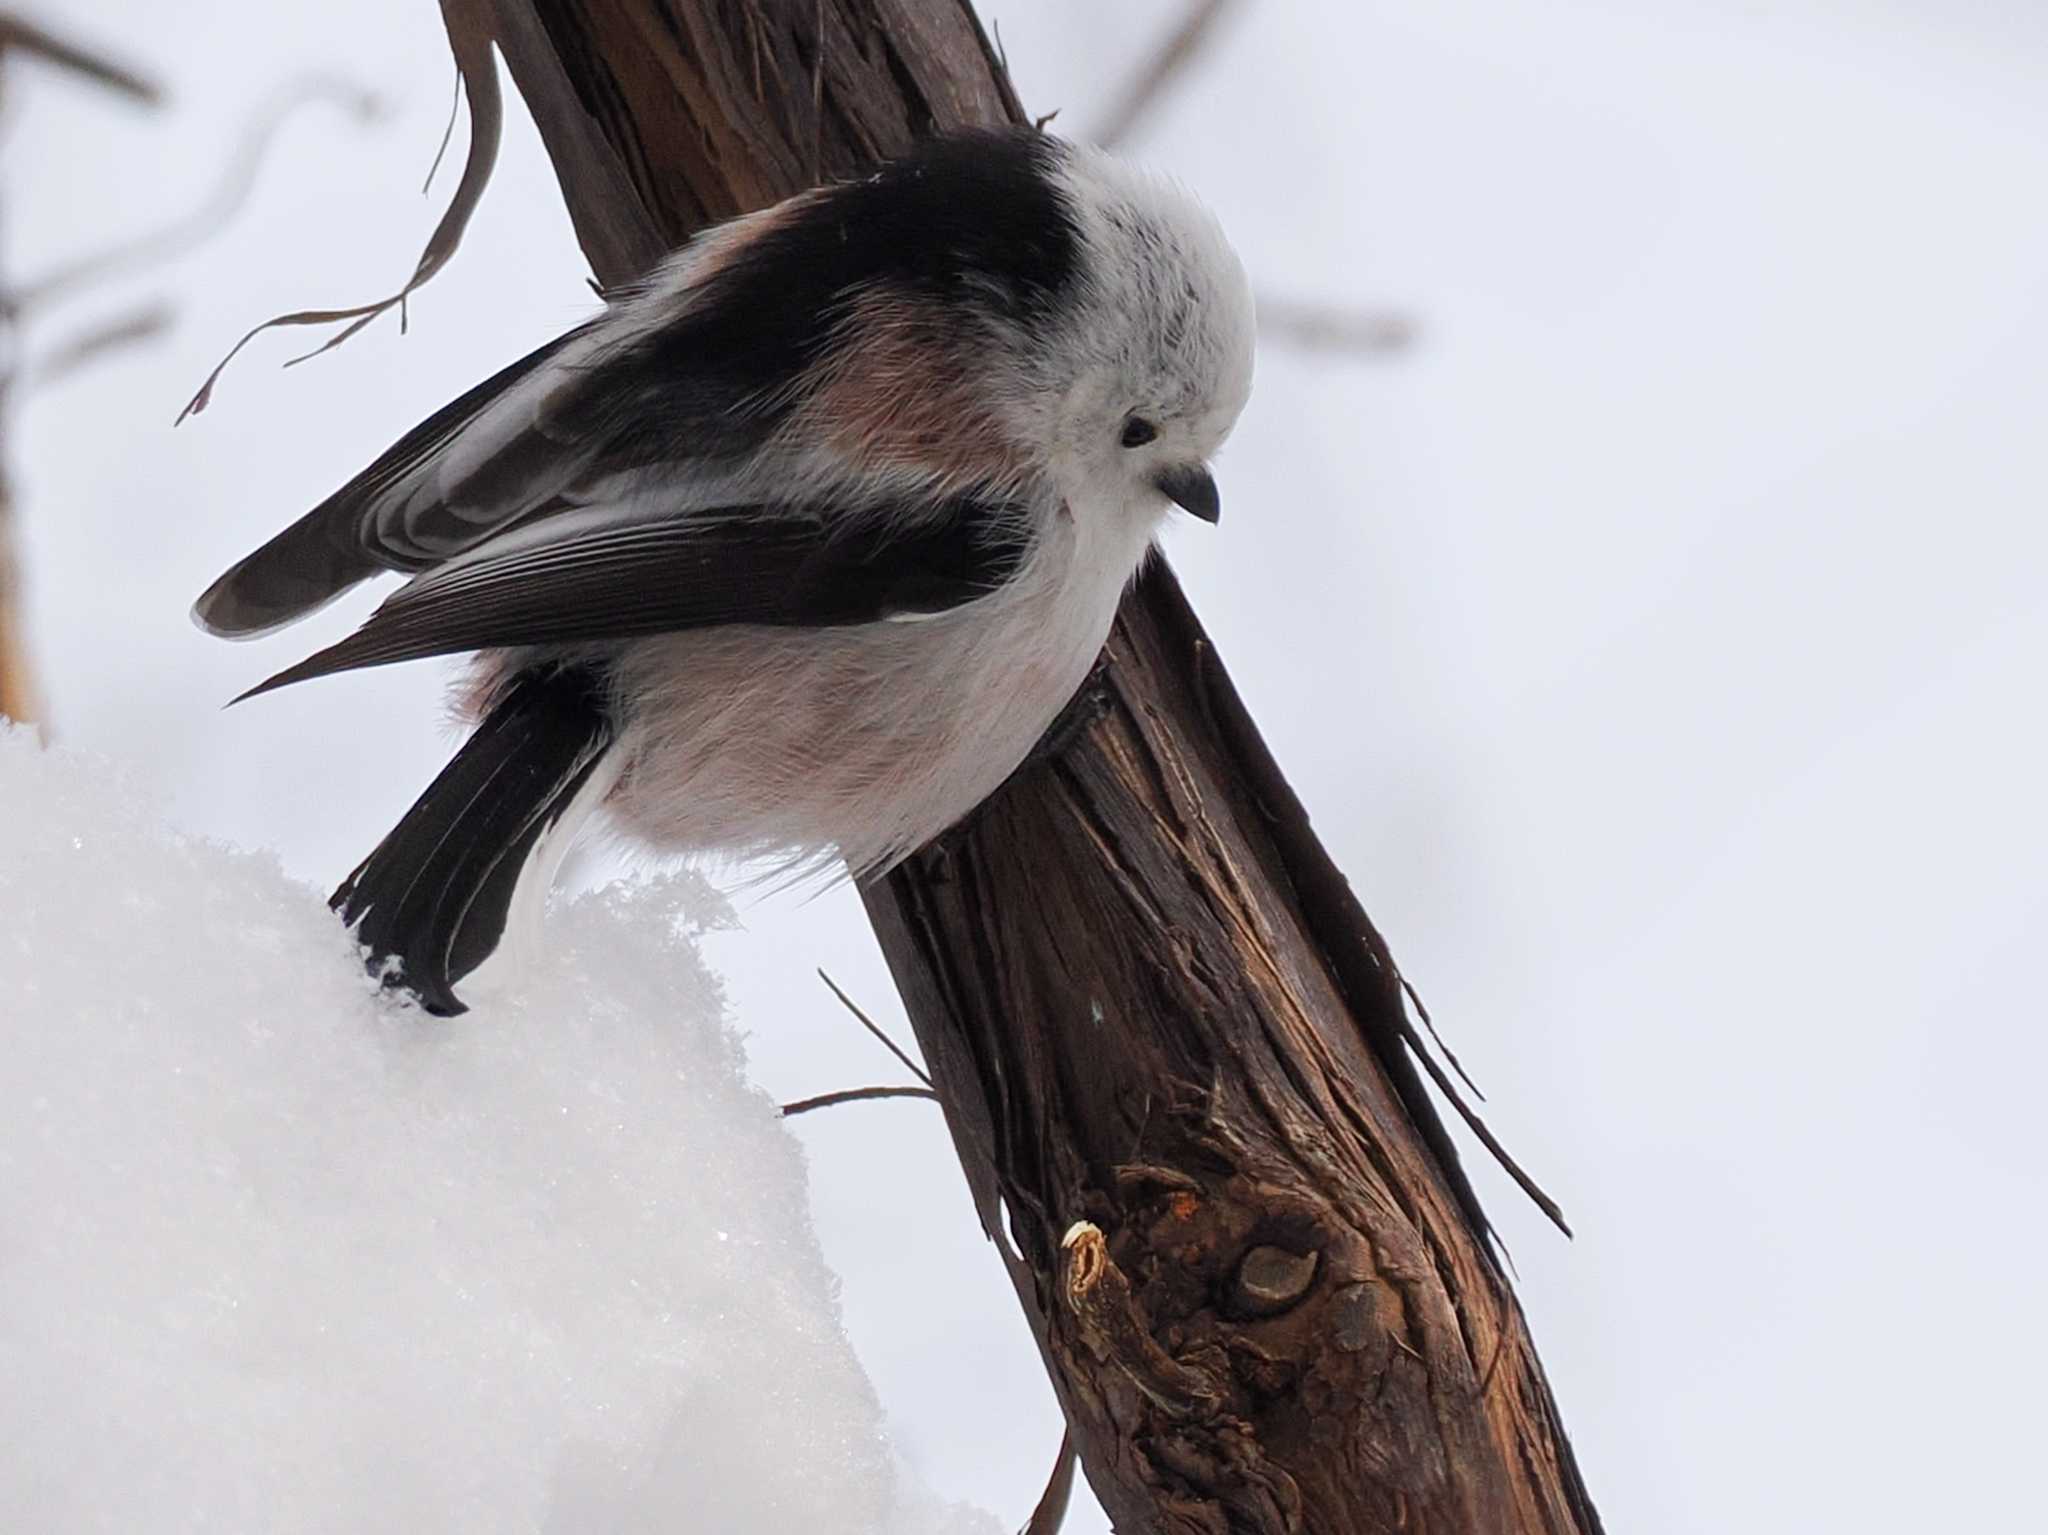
<point>670,394</point>
<point>351,535</point>
<point>556,430</point>
<point>561,583</point>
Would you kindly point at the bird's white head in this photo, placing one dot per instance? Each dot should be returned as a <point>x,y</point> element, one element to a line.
<point>990,309</point>
<point>1152,363</point>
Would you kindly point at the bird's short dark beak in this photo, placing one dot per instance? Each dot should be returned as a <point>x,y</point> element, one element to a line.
<point>1193,490</point>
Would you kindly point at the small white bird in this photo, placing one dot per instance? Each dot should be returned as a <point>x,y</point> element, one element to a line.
<point>798,548</point>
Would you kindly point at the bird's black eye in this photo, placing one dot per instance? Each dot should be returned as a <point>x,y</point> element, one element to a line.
<point>1138,431</point>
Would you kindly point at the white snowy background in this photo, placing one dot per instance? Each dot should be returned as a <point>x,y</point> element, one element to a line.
<point>1658,643</point>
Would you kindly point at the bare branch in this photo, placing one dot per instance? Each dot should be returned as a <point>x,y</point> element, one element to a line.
<point>875,1029</point>
<point>1329,328</point>
<point>99,341</point>
<point>1487,1138</point>
<point>19,696</point>
<point>469,37</point>
<point>1051,1512</point>
<point>1365,965</point>
<point>1429,1023</point>
<point>20,35</point>
<point>854,1095</point>
<point>1310,327</point>
<point>1176,51</point>
<point>447,136</point>
<point>204,221</point>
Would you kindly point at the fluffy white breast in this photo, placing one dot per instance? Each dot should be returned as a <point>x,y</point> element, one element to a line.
<point>864,743</point>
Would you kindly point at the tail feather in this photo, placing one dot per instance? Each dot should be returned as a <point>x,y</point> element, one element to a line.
<point>434,896</point>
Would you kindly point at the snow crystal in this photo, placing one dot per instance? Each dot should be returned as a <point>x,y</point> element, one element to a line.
<point>278,1253</point>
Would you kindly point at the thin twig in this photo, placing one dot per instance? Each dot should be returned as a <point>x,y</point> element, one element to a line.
<point>1329,328</point>
<point>1487,1138</point>
<point>204,221</point>
<point>1357,953</point>
<point>1429,1023</point>
<point>875,1029</point>
<point>1310,327</point>
<point>447,136</point>
<point>470,39</point>
<point>1051,1512</point>
<point>854,1095</point>
<point>1176,51</point>
<point>17,33</point>
<point>96,342</point>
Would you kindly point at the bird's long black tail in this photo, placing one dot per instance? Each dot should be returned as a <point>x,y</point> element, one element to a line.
<point>435,894</point>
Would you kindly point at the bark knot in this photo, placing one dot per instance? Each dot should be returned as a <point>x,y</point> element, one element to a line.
<point>1113,1328</point>
<point>1271,1280</point>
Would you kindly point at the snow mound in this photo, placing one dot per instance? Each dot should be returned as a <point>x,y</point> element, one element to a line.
<point>279,1254</point>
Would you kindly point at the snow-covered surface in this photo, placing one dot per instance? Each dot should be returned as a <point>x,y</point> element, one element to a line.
<point>278,1254</point>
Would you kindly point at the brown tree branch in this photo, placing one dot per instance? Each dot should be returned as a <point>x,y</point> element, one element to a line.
<point>1176,51</point>
<point>1051,1511</point>
<point>206,218</point>
<point>19,697</point>
<point>18,306</point>
<point>133,328</point>
<point>853,1095</point>
<point>20,700</point>
<point>1151,1007</point>
<point>20,35</point>
<point>875,1029</point>
<point>1321,327</point>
